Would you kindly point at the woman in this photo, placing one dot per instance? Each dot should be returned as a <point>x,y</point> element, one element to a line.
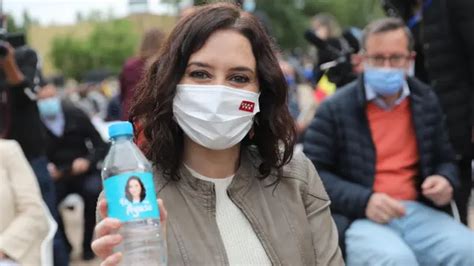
<point>23,220</point>
<point>213,111</point>
<point>134,190</point>
<point>132,71</point>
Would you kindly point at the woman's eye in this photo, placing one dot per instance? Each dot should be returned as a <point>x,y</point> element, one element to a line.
<point>199,75</point>
<point>240,79</point>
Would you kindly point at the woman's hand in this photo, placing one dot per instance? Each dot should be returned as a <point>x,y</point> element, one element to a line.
<point>107,238</point>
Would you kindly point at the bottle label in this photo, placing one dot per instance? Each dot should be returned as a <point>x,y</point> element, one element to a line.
<point>131,196</point>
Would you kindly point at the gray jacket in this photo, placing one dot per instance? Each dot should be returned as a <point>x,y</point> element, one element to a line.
<point>292,218</point>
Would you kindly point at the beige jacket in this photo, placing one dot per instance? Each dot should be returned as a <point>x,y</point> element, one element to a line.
<point>23,220</point>
<point>291,219</point>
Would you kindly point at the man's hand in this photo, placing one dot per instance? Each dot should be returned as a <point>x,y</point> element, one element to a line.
<point>381,208</point>
<point>8,64</point>
<point>80,166</point>
<point>437,189</point>
<point>54,172</point>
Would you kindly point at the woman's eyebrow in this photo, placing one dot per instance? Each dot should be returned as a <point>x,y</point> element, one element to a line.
<point>199,64</point>
<point>242,68</point>
<point>205,65</point>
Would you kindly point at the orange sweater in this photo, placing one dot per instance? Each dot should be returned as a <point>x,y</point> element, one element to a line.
<point>396,150</point>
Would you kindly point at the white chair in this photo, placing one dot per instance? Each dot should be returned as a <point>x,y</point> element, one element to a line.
<point>47,258</point>
<point>455,211</point>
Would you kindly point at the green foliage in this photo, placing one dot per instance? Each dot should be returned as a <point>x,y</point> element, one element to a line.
<point>287,22</point>
<point>289,18</point>
<point>107,47</point>
<point>348,12</point>
<point>13,26</point>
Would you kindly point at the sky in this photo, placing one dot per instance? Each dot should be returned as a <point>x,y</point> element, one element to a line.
<point>64,11</point>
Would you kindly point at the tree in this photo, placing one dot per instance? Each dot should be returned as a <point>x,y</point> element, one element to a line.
<point>79,17</point>
<point>107,47</point>
<point>349,13</point>
<point>290,18</point>
<point>12,25</point>
<point>287,21</point>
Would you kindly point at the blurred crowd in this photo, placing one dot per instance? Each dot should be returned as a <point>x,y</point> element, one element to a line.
<point>54,134</point>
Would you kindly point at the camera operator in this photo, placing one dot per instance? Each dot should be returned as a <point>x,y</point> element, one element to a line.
<point>334,49</point>
<point>19,76</point>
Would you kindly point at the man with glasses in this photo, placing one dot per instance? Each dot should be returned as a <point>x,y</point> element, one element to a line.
<point>382,150</point>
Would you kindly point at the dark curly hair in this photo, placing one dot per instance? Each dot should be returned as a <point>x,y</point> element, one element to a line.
<point>142,193</point>
<point>274,129</point>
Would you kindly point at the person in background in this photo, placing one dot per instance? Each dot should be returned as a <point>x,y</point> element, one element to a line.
<point>19,79</point>
<point>325,26</point>
<point>290,77</point>
<point>133,69</point>
<point>213,108</point>
<point>90,100</point>
<point>382,150</point>
<point>74,148</point>
<point>114,109</point>
<point>23,219</point>
<point>446,61</point>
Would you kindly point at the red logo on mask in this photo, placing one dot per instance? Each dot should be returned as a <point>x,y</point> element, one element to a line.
<point>247,106</point>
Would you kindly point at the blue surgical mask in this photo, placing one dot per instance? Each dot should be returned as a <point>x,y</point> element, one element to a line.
<point>309,74</point>
<point>249,5</point>
<point>49,107</point>
<point>384,81</point>
<point>290,80</point>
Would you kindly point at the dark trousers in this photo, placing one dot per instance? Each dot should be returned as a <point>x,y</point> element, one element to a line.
<point>39,165</point>
<point>88,186</point>
<point>462,196</point>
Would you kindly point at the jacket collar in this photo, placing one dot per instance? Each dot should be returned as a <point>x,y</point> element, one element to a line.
<point>247,171</point>
<point>413,84</point>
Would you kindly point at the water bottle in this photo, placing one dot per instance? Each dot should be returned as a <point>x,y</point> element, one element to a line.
<point>128,183</point>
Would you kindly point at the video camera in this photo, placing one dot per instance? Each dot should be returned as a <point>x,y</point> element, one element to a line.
<point>334,56</point>
<point>26,59</point>
<point>14,39</point>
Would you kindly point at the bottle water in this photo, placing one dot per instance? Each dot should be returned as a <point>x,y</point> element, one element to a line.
<point>131,198</point>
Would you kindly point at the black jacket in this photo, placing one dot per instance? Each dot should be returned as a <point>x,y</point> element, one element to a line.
<point>448,46</point>
<point>339,143</point>
<point>20,117</point>
<point>445,58</point>
<point>78,132</point>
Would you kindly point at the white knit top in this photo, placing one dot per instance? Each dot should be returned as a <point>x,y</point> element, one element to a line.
<point>240,241</point>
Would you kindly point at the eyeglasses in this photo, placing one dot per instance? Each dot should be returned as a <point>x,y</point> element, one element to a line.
<point>397,60</point>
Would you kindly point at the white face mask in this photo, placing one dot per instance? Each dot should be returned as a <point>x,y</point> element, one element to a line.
<point>214,116</point>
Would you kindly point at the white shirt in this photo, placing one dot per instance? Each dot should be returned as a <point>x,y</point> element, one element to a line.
<point>240,241</point>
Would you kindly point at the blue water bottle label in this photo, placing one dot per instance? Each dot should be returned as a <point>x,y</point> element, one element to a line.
<point>131,196</point>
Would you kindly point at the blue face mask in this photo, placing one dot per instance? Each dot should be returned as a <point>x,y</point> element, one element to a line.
<point>249,5</point>
<point>290,80</point>
<point>49,107</point>
<point>384,81</point>
<point>308,74</point>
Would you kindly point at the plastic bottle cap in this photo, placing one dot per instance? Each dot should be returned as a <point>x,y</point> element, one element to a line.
<point>120,129</point>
